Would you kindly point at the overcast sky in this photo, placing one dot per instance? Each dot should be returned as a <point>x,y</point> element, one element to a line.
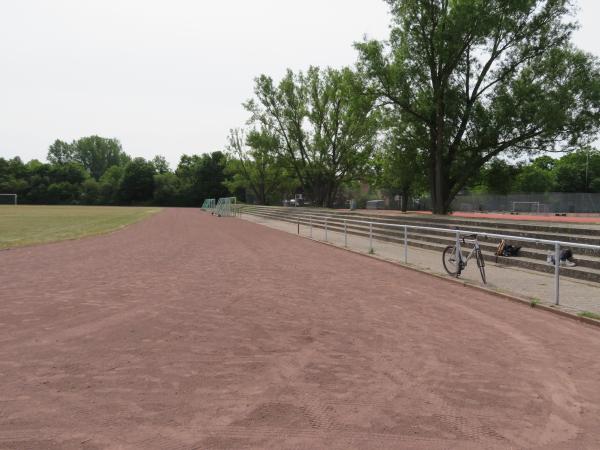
<point>168,76</point>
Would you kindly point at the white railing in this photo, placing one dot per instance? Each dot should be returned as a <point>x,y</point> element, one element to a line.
<point>457,235</point>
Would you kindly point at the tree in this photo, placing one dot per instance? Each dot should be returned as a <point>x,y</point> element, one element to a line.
<point>532,178</point>
<point>575,172</point>
<point>254,164</point>
<point>475,80</point>
<point>324,123</point>
<point>167,189</point>
<point>90,192</point>
<point>110,183</point>
<point>161,164</point>
<point>400,164</point>
<point>498,177</point>
<point>203,177</point>
<point>137,185</point>
<point>96,154</point>
<point>61,152</point>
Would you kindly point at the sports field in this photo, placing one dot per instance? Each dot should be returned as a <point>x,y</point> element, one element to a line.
<point>25,225</point>
<point>191,331</point>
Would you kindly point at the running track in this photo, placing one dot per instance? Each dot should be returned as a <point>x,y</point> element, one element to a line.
<point>189,331</point>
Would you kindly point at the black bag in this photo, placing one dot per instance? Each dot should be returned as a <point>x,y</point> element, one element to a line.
<point>511,250</point>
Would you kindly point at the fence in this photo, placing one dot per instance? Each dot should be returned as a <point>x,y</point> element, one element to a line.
<point>552,202</point>
<point>320,222</point>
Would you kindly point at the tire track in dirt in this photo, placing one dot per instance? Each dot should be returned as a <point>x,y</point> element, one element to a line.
<point>191,331</point>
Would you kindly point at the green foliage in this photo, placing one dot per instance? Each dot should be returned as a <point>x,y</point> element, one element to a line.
<point>202,177</point>
<point>254,165</point>
<point>474,80</point>
<point>109,184</point>
<point>167,189</point>
<point>161,165</point>
<point>90,192</point>
<point>137,184</point>
<point>399,164</point>
<point>532,178</point>
<point>577,172</point>
<point>544,174</point>
<point>589,315</point>
<point>65,180</point>
<point>96,154</point>
<point>498,177</point>
<point>324,126</point>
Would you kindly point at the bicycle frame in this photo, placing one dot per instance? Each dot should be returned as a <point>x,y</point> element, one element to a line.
<point>462,259</point>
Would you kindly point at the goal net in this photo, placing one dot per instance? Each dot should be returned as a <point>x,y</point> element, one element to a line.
<point>226,207</point>
<point>529,207</point>
<point>209,204</point>
<point>8,199</point>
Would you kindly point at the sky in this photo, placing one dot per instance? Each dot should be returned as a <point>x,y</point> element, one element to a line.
<point>168,77</point>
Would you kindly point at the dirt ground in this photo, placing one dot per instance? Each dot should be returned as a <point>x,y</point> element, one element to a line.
<point>190,331</point>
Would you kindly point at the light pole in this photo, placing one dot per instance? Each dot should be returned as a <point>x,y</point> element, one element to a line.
<point>587,167</point>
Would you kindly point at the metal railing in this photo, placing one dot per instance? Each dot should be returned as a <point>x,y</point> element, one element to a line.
<point>457,233</point>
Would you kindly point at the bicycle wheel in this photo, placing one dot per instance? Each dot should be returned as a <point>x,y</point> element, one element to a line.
<point>451,261</point>
<point>481,265</point>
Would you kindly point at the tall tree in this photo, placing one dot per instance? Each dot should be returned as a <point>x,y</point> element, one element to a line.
<point>255,165</point>
<point>61,152</point>
<point>483,78</point>
<point>161,164</point>
<point>137,184</point>
<point>325,125</point>
<point>400,162</point>
<point>96,154</point>
<point>498,177</point>
<point>577,171</point>
<point>202,177</point>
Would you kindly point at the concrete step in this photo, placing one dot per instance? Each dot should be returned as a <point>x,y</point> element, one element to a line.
<point>572,236</point>
<point>588,267</point>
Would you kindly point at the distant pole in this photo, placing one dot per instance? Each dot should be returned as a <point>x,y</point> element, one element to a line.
<point>587,168</point>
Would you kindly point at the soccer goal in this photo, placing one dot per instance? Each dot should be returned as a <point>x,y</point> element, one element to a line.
<point>209,204</point>
<point>8,199</point>
<point>226,207</point>
<point>527,207</point>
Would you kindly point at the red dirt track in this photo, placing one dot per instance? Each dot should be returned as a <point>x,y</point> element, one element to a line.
<point>190,331</point>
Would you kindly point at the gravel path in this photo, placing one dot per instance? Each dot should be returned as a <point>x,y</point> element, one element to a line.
<point>190,331</point>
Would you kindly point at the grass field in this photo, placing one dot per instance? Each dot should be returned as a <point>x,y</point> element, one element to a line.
<point>26,225</point>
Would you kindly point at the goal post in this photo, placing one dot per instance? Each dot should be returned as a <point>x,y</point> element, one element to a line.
<point>11,199</point>
<point>226,207</point>
<point>209,204</point>
<point>527,207</point>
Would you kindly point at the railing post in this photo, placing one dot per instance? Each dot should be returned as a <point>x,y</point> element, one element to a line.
<point>370,237</point>
<point>325,229</point>
<point>310,220</point>
<point>405,244</point>
<point>557,273</point>
<point>345,234</point>
<point>458,250</point>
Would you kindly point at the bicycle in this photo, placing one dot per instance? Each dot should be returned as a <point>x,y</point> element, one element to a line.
<point>455,262</point>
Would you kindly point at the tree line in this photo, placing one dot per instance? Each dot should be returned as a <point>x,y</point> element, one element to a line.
<point>96,171</point>
<point>578,171</point>
<point>459,88</point>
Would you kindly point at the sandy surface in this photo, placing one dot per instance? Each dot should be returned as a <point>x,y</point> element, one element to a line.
<point>189,331</point>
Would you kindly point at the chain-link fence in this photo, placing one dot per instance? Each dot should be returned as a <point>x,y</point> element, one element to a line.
<point>553,202</point>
